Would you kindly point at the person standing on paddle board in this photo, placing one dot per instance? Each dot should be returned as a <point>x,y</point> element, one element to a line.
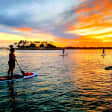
<point>11,61</point>
<point>63,51</point>
<point>103,51</point>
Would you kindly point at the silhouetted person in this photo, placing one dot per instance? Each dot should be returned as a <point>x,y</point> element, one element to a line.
<point>11,61</point>
<point>63,51</point>
<point>103,51</point>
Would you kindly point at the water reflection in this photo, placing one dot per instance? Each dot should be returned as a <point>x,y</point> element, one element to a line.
<point>93,81</point>
<point>74,83</point>
<point>12,96</point>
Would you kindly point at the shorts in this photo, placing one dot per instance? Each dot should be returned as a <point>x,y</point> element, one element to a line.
<point>11,65</point>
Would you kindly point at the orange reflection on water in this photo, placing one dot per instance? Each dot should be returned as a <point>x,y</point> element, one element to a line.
<point>89,75</point>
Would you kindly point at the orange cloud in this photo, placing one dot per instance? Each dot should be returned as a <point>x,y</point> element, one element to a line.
<point>94,21</point>
<point>25,29</point>
<point>28,36</point>
<point>6,37</point>
<point>11,37</point>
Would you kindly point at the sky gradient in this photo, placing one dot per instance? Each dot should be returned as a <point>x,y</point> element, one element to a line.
<point>70,22</point>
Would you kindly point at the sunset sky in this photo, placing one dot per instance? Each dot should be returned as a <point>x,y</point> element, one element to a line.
<point>64,22</point>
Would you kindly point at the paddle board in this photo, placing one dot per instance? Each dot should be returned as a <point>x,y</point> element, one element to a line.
<point>17,76</point>
<point>63,54</point>
<point>103,55</point>
<point>108,68</point>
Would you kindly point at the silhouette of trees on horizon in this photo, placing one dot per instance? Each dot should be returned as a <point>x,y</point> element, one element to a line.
<point>33,44</point>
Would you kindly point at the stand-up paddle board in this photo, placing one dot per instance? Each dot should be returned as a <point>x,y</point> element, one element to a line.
<point>108,68</point>
<point>103,55</point>
<point>17,76</point>
<point>63,54</point>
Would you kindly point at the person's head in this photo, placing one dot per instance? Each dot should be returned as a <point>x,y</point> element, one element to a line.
<point>11,46</point>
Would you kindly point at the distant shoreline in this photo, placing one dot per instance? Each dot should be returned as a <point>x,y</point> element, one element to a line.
<point>6,48</point>
<point>77,48</point>
<point>71,48</point>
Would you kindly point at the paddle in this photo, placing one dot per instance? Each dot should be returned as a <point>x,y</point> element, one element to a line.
<point>20,68</point>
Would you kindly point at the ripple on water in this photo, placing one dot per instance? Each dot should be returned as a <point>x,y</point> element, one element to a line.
<point>75,83</point>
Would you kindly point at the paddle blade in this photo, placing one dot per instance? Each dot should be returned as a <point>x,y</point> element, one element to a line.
<point>23,72</point>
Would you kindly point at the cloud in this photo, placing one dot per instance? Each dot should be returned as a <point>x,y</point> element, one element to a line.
<point>51,16</point>
<point>94,20</point>
<point>32,11</point>
<point>83,19</point>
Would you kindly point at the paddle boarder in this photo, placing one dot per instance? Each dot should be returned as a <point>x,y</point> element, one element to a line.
<point>63,51</point>
<point>103,51</point>
<point>11,61</point>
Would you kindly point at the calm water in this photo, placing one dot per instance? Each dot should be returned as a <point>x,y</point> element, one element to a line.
<point>74,83</point>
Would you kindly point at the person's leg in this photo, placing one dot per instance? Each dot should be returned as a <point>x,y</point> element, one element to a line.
<point>12,71</point>
<point>8,73</point>
<point>8,70</point>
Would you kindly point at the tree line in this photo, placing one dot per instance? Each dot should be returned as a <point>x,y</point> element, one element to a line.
<point>33,44</point>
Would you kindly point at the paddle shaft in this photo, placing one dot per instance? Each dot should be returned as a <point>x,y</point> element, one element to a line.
<point>20,68</point>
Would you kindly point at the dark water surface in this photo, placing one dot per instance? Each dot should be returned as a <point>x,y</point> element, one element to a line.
<point>74,83</point>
